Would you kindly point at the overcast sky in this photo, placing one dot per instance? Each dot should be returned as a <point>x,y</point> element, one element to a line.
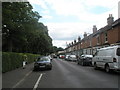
<point>68,19</point>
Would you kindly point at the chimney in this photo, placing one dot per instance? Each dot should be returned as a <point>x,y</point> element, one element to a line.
<point>85,34</point>
<point>74,41</point>
<point>110,20</point>
<point>79,39</point>
<point>94,28</point>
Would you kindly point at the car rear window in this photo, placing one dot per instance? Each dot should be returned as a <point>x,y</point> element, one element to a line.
<point>118,51</point>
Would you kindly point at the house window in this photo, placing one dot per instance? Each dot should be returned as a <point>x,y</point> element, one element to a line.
<point>86,51</point>
<point>98,40</point>
<point>106,39</point>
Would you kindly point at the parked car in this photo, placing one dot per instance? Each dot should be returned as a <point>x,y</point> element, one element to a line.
<point>72,58</point>
<point>67,57</point>
<point>54,56</point>
<point>61,56</point>
<point>107,58</point>
<point>43,63</point>
<point>85,60</point>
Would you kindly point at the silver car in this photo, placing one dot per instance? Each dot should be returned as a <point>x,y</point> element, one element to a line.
<point>72,58</point>
<point>85,60</point>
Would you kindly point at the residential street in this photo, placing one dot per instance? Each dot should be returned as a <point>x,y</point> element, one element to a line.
<point>60,44</point>
<point>64,74</point>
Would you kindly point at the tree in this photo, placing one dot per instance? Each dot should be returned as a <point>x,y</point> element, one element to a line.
<point>60,49</point>
<point>21,30</point>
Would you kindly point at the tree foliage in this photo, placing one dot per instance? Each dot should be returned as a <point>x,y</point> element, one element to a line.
<point>56,49</point>
<point>22,31</point>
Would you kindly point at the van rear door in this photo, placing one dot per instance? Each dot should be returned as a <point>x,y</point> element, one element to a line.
<point>118,54</point>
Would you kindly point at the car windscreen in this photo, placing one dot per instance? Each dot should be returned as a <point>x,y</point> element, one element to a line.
<point>118,51</point>
<point>43,59</point>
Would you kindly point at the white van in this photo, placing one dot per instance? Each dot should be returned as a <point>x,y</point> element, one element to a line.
<point>107,58</point>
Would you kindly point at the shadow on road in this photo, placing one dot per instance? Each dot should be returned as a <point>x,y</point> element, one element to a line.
<point>40,70</point>
<point>111,72</point>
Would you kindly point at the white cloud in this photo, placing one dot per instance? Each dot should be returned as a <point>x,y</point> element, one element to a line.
<point>68,31</point>
<point>39,2</point>
<point>47,17</point>
<point>59,43</point>
<point>106,3</point>
<point>78,7</point>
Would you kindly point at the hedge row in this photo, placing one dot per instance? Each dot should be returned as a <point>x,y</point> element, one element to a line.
<point>11,61</point>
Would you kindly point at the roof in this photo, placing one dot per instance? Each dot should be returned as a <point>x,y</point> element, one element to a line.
<point>101,30</point>
<point>110,47</point>
<point>117,22</point>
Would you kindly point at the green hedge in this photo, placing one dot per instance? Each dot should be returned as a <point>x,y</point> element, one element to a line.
<point>11,61</point>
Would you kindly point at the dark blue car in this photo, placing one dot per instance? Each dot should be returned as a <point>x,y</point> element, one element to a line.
<point>43,63</point>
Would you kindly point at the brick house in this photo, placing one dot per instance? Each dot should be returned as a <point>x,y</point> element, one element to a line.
<point>105,36</point>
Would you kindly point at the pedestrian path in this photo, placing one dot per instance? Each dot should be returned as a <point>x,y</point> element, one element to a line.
<point>9,79</point>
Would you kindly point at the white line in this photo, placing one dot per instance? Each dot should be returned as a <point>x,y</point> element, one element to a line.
<point>22,80</point>
<point>36,85</point>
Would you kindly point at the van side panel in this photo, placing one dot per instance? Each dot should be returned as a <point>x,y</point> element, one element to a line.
<point>118,56</point>
<point>108,56</point>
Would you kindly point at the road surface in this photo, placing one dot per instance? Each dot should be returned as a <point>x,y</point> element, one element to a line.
<point>64,74</point>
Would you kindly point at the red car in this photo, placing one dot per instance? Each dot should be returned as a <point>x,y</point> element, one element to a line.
<point>62,56</point>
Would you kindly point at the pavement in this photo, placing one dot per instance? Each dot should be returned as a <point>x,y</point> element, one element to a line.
<point>64,74</point>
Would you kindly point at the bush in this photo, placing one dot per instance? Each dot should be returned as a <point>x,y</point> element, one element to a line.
<point>11,61</point>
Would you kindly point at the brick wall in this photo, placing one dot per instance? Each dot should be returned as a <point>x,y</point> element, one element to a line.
<point>94,41</point>
<point>113,35</point>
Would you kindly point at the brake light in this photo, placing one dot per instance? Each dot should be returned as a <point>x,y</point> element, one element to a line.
<point>114,60</point>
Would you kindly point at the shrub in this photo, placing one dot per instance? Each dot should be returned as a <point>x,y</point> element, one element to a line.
<point>11,61</point>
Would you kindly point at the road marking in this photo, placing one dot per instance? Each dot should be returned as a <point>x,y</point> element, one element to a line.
<point>22,79</point>
<point>36,85</point>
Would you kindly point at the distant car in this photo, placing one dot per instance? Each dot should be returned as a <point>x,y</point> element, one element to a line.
<point>43,63</point>
<point>72,58</point>
<point>62,56</point>
<point>67,57</point>
<point>85,60</point>
<point>54,56</point>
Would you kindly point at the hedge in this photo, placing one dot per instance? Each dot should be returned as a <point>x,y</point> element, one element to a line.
<point>11,60</point>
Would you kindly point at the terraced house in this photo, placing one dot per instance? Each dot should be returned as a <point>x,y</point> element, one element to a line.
<point>105,36</point>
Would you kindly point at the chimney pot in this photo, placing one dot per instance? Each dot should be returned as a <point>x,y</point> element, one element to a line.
<point>94,28</point>
<point>110,20</point>
<point>85,34</point>
<point>74,41</point>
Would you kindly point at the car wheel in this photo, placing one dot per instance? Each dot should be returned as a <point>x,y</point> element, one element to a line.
<point>82,63</point>
<point>107,68</point>
<point>34,69</point>
<point>50,68</point>
<point>90,64</point>
<point>95,66</point>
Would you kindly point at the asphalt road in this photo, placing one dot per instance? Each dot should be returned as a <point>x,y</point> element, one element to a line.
<point>64,74</point>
